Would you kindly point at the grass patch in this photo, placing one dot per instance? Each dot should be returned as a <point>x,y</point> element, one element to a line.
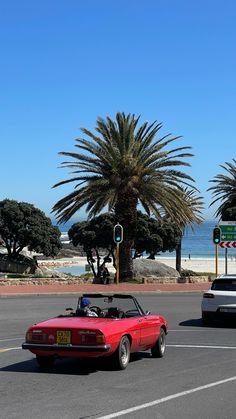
<point>86,275</point>
<point>188,272</point>
<point>13,276</point>
<point>206,274</point>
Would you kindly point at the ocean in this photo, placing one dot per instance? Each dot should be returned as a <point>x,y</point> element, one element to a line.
<point>196,243</point>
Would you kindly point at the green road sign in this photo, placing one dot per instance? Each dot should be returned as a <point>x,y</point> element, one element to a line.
<point>228,232</point>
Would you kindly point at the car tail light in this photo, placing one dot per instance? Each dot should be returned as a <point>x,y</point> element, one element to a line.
<point>36,336</point>
<point>100,339</point>
<point>208,295</point>
<point>91,337</point>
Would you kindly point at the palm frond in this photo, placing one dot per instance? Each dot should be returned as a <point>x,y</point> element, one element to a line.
<point>224,188</point>
<point>122,158</point>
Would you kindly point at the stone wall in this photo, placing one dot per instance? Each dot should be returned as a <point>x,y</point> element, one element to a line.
<point>78,280</point>
<point>43,281</point>
<point>174,280</point>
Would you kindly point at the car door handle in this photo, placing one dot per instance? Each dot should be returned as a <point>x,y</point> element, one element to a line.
<point>140,321</point>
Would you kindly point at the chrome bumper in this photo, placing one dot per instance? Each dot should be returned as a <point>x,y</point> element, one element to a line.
<point>66,348</point>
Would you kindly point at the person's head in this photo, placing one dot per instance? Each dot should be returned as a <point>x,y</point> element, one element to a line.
<point>85,302</point>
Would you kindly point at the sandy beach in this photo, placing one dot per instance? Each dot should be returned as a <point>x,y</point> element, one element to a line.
<point>194,264</point>
<point>204,265</point>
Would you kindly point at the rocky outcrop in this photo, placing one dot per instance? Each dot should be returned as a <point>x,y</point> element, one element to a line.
<point>147,267</point>
<point>44,271</point>
<point>153,271</point>
<point>27,266</point>
<point>21,265</point>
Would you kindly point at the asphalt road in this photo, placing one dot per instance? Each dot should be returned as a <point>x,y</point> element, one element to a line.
<point>196,378</point>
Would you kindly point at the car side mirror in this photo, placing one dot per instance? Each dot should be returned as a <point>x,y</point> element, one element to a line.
<point>69,309</point>
<point>147,312</point>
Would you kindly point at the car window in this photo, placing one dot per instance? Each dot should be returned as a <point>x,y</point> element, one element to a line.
<point>224,285</point>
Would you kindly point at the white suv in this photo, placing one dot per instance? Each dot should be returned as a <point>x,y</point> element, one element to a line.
<point>220,300</point>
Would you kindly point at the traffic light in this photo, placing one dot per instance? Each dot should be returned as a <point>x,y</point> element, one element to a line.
<point>118,233</point>
<point>216,235</point>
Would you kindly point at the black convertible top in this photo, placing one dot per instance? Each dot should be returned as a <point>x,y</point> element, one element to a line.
<point>93,295</point>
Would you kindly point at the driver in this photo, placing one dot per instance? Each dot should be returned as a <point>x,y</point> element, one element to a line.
<point>86,304</point>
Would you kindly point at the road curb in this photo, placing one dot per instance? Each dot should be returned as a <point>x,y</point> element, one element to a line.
<point>122,288</point>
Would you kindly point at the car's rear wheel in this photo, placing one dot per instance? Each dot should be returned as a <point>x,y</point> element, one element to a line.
<point>45,361</point>
<point>121,356</point>
<point>158,350</point>
<point>206,319</point>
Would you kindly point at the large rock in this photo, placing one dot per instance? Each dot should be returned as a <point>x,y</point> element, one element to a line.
<point>49,273</point>
<point>27,266</point>
<point>149,267</point>
<point>21,265</point>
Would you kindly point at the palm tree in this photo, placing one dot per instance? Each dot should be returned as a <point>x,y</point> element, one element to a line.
<point>224,190</point>
<point>193,204</point>
<point>120,167</point>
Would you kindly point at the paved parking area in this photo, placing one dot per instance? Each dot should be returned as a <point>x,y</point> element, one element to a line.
<point>196,378</point>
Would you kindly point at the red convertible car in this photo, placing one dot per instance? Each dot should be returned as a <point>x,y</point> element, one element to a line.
<point>110,326</point>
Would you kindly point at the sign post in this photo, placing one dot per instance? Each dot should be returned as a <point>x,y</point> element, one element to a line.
<point>226,261</point>
<point>216,260</point>
<point>216,241</point>
<point>118,238</point>
<point>117,264</point>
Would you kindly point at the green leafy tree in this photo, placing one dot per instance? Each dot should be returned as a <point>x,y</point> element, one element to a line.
<point>23,225</point>
<point>146,238</point>
<point>170,235</point>
<point>95,236</point>
<point>154,236</point>
<point>224,191</point>
<point>121,166</point>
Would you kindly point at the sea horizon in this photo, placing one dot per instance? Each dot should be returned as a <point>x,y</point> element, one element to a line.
<point>197,243</point>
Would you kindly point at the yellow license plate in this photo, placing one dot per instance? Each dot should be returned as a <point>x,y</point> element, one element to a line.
<point>63,337</point>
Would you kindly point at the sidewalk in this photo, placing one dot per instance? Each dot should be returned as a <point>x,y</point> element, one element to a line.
<point>10,290</point>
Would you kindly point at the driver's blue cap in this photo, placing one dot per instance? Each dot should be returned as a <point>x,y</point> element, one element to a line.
<point>85,302</point>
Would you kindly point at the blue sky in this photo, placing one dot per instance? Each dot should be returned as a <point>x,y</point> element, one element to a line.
<point>65,62</point>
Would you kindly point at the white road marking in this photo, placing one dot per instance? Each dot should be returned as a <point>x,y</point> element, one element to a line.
<point>9,349</point>
<point>6,340</point>
<point>166,399</point>
<point>169,345</point>
<point>188,330</point>
<point>202,346</point>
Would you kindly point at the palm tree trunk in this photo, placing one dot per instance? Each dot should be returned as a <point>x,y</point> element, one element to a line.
<point>126,215</point>
<point>126,261</point>
<point>178,257</point>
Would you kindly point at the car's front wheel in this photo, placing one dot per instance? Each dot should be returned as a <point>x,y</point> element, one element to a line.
<point>45,361</point>
<point>121,356</point>
<point>158,350</point>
